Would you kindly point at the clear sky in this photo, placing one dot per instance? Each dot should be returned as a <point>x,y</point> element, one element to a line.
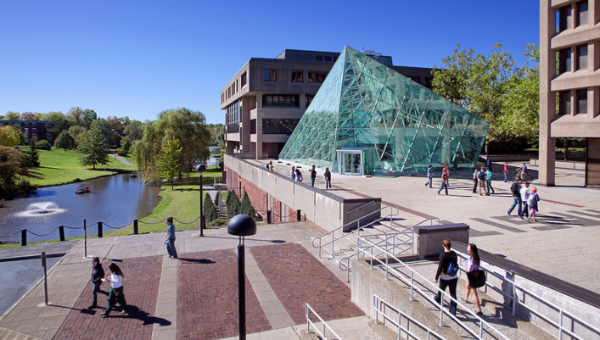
<point>137,58</point>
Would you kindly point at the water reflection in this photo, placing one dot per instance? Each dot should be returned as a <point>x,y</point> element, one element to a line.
<point>116,200</point>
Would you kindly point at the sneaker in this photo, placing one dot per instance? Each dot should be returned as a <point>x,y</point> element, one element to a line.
<point>104,315</point>
<point>463,300</point>
<point>92,306</point>
<point>508,213</point>
<point>479,313</point>
<point>124,311</point>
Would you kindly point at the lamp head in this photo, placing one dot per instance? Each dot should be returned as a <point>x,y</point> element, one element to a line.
<point>241,225</point>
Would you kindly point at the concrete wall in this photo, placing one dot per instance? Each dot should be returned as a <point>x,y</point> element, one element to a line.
<point>429,239</point>
<point>325,210</point>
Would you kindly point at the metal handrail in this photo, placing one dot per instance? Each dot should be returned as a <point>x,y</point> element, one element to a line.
<point>307,311</point>
<point>428,219</point>
<point>424,294</point>
<point>377,302</point>
<point>332,233</point>
<point>360,206</point>
<point>515,301</point>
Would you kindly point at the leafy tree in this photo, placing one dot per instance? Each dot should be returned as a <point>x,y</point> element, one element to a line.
<point>210,211</point>
<point>76,132</point>
<point>31,158</point>
<point>101,125</point>
<point>8,136</point>
<point>218,135</point>
<point>246,206</point>
<point>217,199</point>
<point>61,123</point>
<point>43,145</point>
<point>10,115</point>
<point>76,115</point>
<point>64,141</point>
<point>233,204</point>
<point>114,122</point>
<point>10,162</point>
<point>88,116</point>
<point>31,116</point>
<point>125,147</point>
<point>169,160</point>
<point>134,130</point>
<point>94,149</point>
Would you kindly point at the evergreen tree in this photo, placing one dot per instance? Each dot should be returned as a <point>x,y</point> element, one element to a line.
<point>217,198</point>
<point>246,206</point>
<point>94,149</point>
<point>31,158</point>
<point>64,141</point>
<point>169,160</point>
<point>209,209</point>
<point>233,204</point>
<point>125,147</point>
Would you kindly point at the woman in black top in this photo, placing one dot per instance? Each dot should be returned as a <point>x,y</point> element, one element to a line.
<point>446,280</point>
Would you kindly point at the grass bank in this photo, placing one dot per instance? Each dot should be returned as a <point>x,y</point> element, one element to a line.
<point>61,167</point>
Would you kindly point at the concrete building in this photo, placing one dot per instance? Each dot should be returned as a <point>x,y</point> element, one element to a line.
<point>265,100</point>
<point>569,91</point>
<point>33,128</point>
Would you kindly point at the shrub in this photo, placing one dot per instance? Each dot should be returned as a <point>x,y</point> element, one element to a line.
<point>43,145</point>
<point>233,204</point>
<point>30,158</point>
<point>216,201</point>
<point>209,209</point>
<point>219,222</point>
<point>64,141</point>
<point>246,206</point>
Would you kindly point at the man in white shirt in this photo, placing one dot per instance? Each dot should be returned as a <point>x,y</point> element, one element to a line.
<point>524,194</point>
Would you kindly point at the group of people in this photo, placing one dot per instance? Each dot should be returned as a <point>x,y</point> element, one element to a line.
<point>526,200</point>
<point>445,178</point>
<point>483,178</point>
<point>296,175</point>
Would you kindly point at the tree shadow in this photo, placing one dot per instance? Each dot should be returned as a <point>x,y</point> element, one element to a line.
<point>201,261</point>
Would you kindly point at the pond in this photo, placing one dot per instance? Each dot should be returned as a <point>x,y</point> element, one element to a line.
<point>115,200</point>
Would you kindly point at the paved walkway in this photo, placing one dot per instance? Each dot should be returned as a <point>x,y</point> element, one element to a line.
<point>121,159</point>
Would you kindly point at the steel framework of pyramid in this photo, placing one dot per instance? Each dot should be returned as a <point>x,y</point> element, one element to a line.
<point>400,126</point>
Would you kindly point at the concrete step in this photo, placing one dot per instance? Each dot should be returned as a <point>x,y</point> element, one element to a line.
<point>7,334</point>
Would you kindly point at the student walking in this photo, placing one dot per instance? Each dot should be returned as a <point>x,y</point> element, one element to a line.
<point>313,176</point>
<point>116,291</point>
<point>524,195</point>
<point>170,238</point>
<point>444,184</point>
<point>327,179</point>
<point>293,173</point>
<point>447,273</point>
<point>472,267</point>
<point>532,203</point>
<point>475,180</point>
<point>97,276</point>
<point>515,189</point>
<point>429,176</point>
<point>299,177</point>
<point>505,172</point>
<point>448,176</point>
<point>270,166</point>
<point>489,181</point>
<point>482,182</point>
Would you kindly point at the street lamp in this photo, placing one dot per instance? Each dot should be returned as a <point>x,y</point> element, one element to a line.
<point>242,225</point>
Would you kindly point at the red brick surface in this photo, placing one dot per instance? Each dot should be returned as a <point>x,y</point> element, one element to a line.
<point>298,278</point>
<point>207,297</point>
<point>142,277</point>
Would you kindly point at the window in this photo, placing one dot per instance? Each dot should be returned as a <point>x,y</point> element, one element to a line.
<point>564,60</point>
<point>244,79</point>
<point>280,100</point>
<point>279,126</point>
<point>582,13</point>
<point>319,58</point>
<point>252,126</point>
<point>582,101</point>
<point>565,18</point>
<point>270,75</point>
<point>316,76</point>
<point>297,76</point>
<point>564,107</point>
<point>308,100</point>
<point>429,82</point>
<point>582,59</point>
<point>327,58</point>
<point>232,117</point>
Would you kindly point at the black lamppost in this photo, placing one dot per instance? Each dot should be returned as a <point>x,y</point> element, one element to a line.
<point>242,225</point>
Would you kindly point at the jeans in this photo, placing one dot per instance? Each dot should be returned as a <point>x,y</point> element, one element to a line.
<point>429,182</point>
<point>475,181</point>
<point>96,290</point>
<point>327,184</point>
<point>451,284</point>
<point>505,177</point>
<point>116,295</point>
<point>516,203</point>
<point>444,186</point>
<point>525,210</point>
<point>171,248</point>
<point>489,187</point>
<point>312,181</point>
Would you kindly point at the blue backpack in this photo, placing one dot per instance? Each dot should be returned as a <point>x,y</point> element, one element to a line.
<point>452,268</point>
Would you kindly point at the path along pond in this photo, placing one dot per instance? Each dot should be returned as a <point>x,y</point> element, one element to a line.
<point>115,200</point>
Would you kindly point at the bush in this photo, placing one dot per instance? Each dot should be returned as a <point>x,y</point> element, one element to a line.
<point>246,206</point>
<point>219,222</point>
<point>209,209</point>
<point>30,158</point>
<point>216,201</point>
<point>233,204</point>
<point>43,145</point>
<point>64,141</point>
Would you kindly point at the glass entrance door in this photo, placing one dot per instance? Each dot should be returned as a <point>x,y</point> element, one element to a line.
<point>350,163</point>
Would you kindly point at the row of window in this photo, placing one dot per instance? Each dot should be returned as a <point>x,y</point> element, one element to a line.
<point>566,20</point>
<point>316,77</point>
<point>233,88</point>
<point>581,58</point>
<point>279,126</point>
<point>232,117</point>
<point>566,97</point>
<point>285,100</point>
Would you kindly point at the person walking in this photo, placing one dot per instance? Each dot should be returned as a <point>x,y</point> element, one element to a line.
<point>523,171</point>
<point>97,276</point>
<point>448,176</point>
<point>515,189</point>
<point>489,181</point>
<point>505,172</point>
<point>482,182</point>
<point>116,290</point>
<point>293,173</point>
<point>475,180</point>
<point>447,273</point>
<point>313,176</point>
<point>327,179</point>
<point>429,176</point>
<point>299,177</point>
<point>444,184</point>
<point>472,267</point>
<point>271,168</point>
<point>524,195</point>
<point>532,203</point>
<point>170,238</point>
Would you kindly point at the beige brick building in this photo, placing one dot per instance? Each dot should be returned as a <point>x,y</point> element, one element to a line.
<point>569,90</point>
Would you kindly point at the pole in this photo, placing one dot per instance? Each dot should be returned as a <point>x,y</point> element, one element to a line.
<point>45,277</point>
<point>242,289</point>
<point>201,210</point>
<point>135,227</point>
<point>85,236</point>
<point>61,233</point>
<point>23,237</point>
<point>99,229</point>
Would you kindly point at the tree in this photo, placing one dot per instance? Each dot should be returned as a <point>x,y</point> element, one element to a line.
<point>125,147</point>
<point>88,116</point>
<point>61,123</point>
<point>76,115</point>
<point>76,132</point>
<point>8,136</point>
<point>169,160</point>
<point>210,211</point>
<point>134,130</point>
<point>94,149</point>
<point>64,141</point>
<point>114,122</point>
<point>10,115</point>
<point>246,206</point>
<point>31,157</point>
<point>218,135</point>
<point>10,162</point>
<point>101,125</point>
<point>233,204</point>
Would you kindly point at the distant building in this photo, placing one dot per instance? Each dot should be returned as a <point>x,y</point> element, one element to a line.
<point>33,128</point>
<point>265,100</point>
<point>569,30</point>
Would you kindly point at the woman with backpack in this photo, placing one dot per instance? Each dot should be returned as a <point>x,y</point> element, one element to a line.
<point>447,273</point>
<point>472,265</point>
<point>482,182</point>
<point>532,203</point>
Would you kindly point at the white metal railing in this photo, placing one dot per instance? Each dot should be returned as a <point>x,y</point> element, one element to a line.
<point>309,323</point>
<point>340,231</point>
<point>515,301</point>
<point>380,308</point>
<point>368,252</point>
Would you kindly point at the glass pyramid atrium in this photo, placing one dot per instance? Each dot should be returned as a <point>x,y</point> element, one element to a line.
<point>398,125</point>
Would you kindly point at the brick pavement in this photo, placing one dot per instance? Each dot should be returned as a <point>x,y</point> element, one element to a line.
<point>298,278</point>
<point>142,277</point>
<point>207,302</point>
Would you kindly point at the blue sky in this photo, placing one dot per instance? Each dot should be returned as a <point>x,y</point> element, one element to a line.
<point>137,58</point>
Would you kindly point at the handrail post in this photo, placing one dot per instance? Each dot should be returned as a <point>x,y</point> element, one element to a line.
<point>371,256</point>
<point>320,246</point>
<point>441,309</point>
<point>560,325</point>
<point>306,313</point>
<point>386,266</point>
<point>514,294</point>
<point>412,284</point>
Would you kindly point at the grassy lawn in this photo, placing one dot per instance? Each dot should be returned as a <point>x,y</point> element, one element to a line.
<point>62,167</point>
